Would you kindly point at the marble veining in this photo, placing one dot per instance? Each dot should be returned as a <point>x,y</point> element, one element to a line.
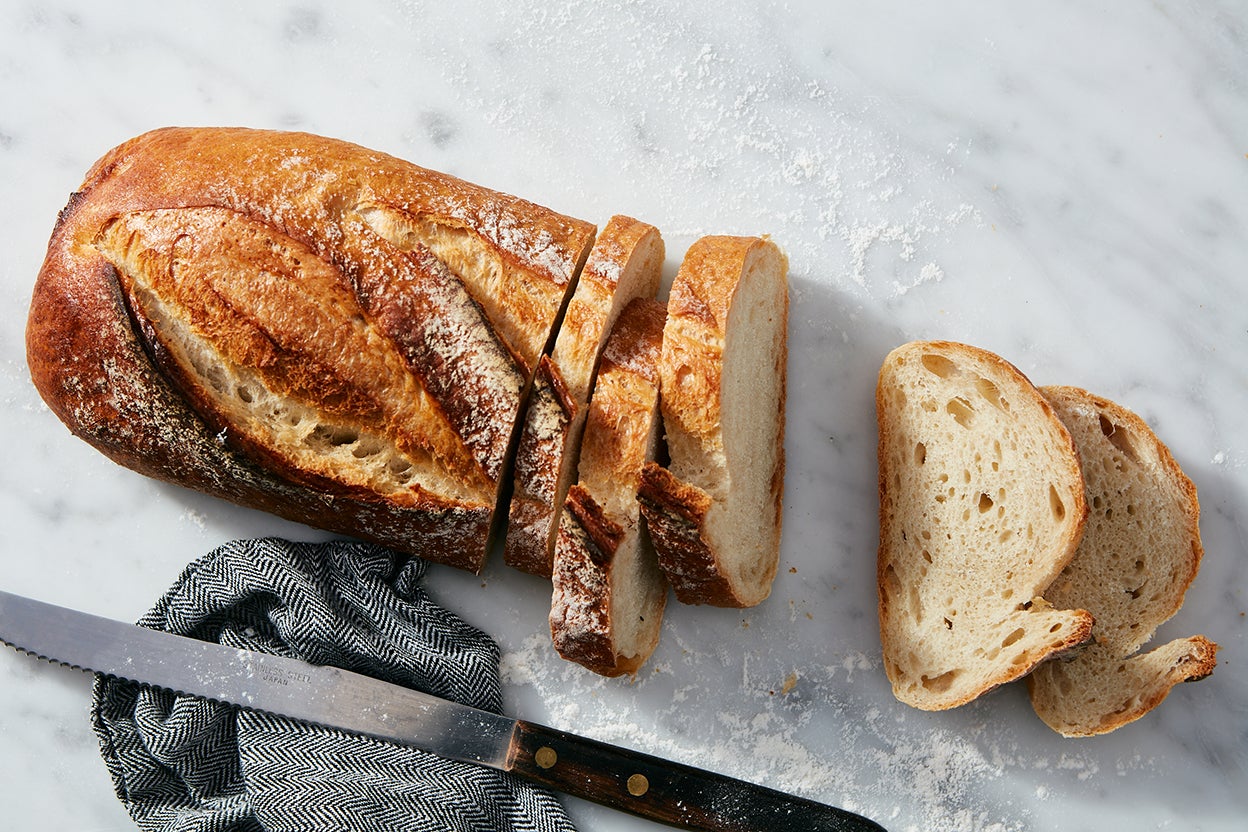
<point>1062,183</point>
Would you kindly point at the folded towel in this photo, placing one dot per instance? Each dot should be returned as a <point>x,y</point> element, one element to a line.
<point>180,763</point>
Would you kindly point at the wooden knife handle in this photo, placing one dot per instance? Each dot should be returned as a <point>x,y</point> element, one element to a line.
<point>681,796</point>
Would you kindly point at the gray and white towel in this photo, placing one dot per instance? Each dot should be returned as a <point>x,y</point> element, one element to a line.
<point>182,764</point>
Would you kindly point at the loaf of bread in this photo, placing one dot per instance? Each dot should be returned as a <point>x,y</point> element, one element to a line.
<point>625,263</point>
<point>1138,555</point>
<point>304,326</point>
<point>608,592</point>
<point>714,513</point>
<point>981,507</point>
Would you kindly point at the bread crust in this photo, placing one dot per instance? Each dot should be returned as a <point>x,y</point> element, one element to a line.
<point>100,355</point>
<point>625,263</point>
<point>608,595</point>
<point>1140,553</point>
<point>958,617</point>
<point>693,506</point>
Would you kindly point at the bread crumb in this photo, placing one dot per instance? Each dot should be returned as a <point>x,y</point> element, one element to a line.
<point>790,682</point>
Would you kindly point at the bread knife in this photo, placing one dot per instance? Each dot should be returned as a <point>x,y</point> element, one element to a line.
<point>672,793</point>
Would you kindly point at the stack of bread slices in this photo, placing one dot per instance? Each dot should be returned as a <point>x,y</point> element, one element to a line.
<point>1031,532</point>
<point>304,326</point>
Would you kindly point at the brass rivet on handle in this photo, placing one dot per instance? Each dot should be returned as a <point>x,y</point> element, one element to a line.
<point>638,785</point>
<point>545,757</point>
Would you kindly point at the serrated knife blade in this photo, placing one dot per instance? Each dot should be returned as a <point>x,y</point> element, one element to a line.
<point>673,793</point>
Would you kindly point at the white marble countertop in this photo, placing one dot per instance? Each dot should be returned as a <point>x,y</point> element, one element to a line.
<point>1064,185</point>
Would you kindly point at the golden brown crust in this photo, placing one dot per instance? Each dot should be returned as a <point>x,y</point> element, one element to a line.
<point>724,424</point>
<point>624,263</point>
<point>608,594</point>
<point>676,514</point>
<point>101,356</point>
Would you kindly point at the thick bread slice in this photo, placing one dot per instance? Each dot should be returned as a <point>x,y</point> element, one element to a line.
<point>625,263</point>
<point>608,592</point>
<point>981,506</point>
<point>1139,554</point>
<point>304,326</point>
<point>715,513</point>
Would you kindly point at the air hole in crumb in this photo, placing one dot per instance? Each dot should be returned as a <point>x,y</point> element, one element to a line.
<point>1055,627</point>
<point>891,583</point>
<point>1013,637</point>
<point>985,503</point>
<point>941,683</point>
<point>1119,437</point>
<point>920,453</point>
<point>989,391</point>
<point>343,436</point>
<point>245,394</point>
<point>948,624</point>
<point>940,366</point>
<point>1056,505</point>
<point>961,411</point>
<point>366,449</point>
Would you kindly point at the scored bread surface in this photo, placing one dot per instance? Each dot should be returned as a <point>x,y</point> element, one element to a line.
<point>303,326</point>
<point>981,506</point>
<point>608,593</point>
<point>714,512</point>
<point>1139,553</point>
<point>625,263</point>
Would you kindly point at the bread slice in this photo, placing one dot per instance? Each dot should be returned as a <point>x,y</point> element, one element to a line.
<point>608,592</point>
<point>715,512</point>
<point>981,506</point>
<point>1139,554</point>
<point>303,326</point>
<point>625,263</point>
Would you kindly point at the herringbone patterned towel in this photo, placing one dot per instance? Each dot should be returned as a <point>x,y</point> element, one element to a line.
<point>182,764</point>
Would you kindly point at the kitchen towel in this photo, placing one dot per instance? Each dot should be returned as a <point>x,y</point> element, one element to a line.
<point>180,763</point>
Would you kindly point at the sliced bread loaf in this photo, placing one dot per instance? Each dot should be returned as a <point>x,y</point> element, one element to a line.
<point>625,263</point>
<point>608,593</point>
<point>1139,553</point>
<point>303,326</point>
<point>981,506</point>
<point>715,512</point>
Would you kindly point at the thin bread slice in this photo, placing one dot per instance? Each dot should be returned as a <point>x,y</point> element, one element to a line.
<point>981,506</point>
<point>608,593</point>
<point>1139,553</point>
<point>625,263</point>
<point>715,512</point>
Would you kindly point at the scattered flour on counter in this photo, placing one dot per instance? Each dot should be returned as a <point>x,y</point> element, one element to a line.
<point>689,123</point>
<point>930,781</point>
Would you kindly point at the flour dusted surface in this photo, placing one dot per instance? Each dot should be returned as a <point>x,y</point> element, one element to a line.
<point>824,738</point>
